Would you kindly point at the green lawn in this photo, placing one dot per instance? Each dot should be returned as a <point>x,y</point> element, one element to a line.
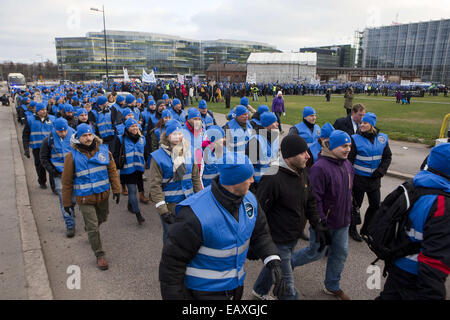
<point>417,122</point>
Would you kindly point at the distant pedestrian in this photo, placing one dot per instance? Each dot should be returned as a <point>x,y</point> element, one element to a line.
<point>278,108</point>
<point>348,96</point>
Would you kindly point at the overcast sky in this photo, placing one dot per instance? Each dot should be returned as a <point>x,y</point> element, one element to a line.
<point>28,28</point>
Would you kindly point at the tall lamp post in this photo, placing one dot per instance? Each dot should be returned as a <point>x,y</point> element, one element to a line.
<point>104,36</point>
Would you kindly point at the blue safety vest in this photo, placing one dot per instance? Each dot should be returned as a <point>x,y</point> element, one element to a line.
<point>104,124</point>
<point>315,149</point>
<point>219,263</point>
<point>39,130</point>
<point>207,121</point>
<point>369,155</point>
<point>134,155</point>
<point>239,137</point>
<point>91,175</point>
<point>305,132</point>
<point>174,191</point>
<point>179,117</point>
<point>266,156</point>
<point>210,170</point>
<point>148,117</point>
<point>419,215</point>
<point>60,148</point>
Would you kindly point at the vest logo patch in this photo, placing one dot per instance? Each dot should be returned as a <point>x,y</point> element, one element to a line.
<point>249,210</point>
<point>101,157</point>
<point>381,139</point>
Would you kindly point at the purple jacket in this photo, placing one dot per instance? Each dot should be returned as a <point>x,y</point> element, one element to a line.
<point>278,104</point>
<point>332,182</point>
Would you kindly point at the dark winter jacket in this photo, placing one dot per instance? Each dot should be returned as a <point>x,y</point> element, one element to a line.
<point>345,124</point>
<point>185,238</point>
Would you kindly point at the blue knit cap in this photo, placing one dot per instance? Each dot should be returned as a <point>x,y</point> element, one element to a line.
<point>193,113</point>
<point>176,101</point>
<point>267,118</point>
<point>139,100</point>
<point>235,169</point>
<point>338,138</point>
<point>101,100</point>
<point>39,106</point>
<point>326,130</point>
<point>83,129</point>
<point>262,108</point>
<point>202,104</point>
<point>439,158</point>
<point>215,133</point>
<point>244,101</point>
<point>130,122</point>
<point>129,99</point>
<point>307,111</point>
<point>151,102</point>
<point>166,113</point>
<point>371,118</point>
<point>60,124</point>
<point>80,112</point>
<point>240,110</point>
<point>126,112</point>
<point>68,108</point>
<point>120,99</point>
<point>172,126</point>
<point>165,96</point>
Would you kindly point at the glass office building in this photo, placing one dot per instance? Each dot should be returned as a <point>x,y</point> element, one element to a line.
<point>83,58</point>
<point>423,46</point>
<point>337,56</point>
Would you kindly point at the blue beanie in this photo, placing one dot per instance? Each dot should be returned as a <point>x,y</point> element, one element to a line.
<point>307,111</point>
<point>439,158</point>
<point>202,104</point>
<point>68,108</point>
<point>60,124</point>
<point>101,100</point>
<point>215,133</point>
<point>139,100</point>
<point>129,99</point>
<point>165,96</point>
<point>80,112</point>
<point>166,113</point>
<point>244,101</point>
<point>120,99</point>
<point>326,130</point>
<point>39,106</point>
<point>175,101</point>
<point>33,103</point>
<point>338,138</point>
<point>235,169</point>
<point>267,118</point>
<point>262,108</point>
<point>240,110</point>
<point>151,102</point>
<point>193,113</point>
<point>126,111</point>
<point>130,122</point>
<point>172,126</point>
<point>371,118</point>
<point>75,98</point>
<point>82,129</point>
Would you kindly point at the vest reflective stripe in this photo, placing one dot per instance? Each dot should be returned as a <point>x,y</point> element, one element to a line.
<point>266,156</point>
<point>369,154</point>
<point>39,130</point>
<point>305,133</point>
<point>211,169</point>
<point>174,191</point>
<point>104,124</point>
<point>207,121</point>
<point>219,262</point>
<point>134,155</point>
<point>91,175</point>
<point>60,149</point>
<point>239,137</point>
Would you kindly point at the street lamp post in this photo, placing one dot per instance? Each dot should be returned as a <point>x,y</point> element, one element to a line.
<point>104,36</point>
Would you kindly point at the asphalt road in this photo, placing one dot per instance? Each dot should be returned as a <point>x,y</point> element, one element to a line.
<point>134,252</point>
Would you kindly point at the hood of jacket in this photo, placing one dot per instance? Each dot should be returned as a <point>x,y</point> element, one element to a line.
<point>427,179</point>
<point>75,144</point>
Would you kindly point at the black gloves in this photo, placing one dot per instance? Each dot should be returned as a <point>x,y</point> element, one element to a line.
<point>376,174</point>
<point>27,153</point>
<point>116,196</point>
<point>277,277</point>
<point>168,218</point>
<point>323,235</point>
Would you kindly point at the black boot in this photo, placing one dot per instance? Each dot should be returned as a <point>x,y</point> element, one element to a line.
<point>140,218</point>
<point>130,208</point>
<point>354,233</point>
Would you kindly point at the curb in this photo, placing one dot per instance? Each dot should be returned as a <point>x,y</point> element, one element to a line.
<point>36,275</point>
<point>399,175</point>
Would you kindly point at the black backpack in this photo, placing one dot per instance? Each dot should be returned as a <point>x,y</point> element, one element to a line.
<point>387,234</point>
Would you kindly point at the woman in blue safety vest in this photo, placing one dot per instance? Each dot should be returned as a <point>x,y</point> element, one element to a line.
<point>212,154</point>
<point>173,175</point>
<point>130,150</point>
<point>371,157</point>
<point>177,112</point>
<point>223,222</point>
<point>307,129</point>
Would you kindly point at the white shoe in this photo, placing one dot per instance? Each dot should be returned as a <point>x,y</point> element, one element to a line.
<point>262,297</point>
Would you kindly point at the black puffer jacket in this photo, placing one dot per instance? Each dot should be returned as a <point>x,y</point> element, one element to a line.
<point>185,238</point>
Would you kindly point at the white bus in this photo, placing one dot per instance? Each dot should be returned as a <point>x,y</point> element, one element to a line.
<point>16,81</point>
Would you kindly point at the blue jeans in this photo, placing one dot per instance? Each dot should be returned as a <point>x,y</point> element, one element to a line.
<point>68,218</point>
<point>264,281</point>
<point>337,254</point>
<point>132,197</point>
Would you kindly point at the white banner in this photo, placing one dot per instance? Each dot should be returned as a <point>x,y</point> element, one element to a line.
<point>380,77</point>
<point>180,78</point>
<point>251,78</point>
<point>195,79</point>
<point>405,82</point>
<point>126,78</point>
<point>148,78</point>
